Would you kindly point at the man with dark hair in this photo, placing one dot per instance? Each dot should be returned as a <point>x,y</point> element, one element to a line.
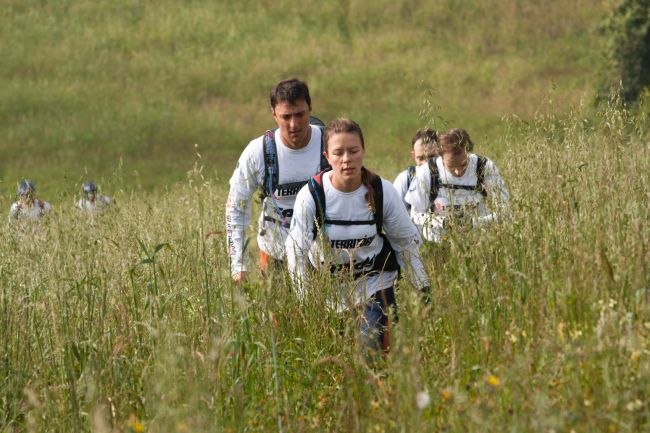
<point>423,148</point>
<point>278,163</point>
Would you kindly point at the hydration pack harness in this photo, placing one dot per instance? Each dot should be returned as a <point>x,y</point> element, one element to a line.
<point>386,260</point>
<point>272,172</point>
<point>436,183</point>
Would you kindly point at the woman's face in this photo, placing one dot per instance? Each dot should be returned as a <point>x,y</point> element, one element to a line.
<point>345,154</point>
<point>455,163</point>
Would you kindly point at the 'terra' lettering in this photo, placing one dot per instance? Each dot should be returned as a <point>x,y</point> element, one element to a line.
<point>289,190</point>
<point>351,243</point>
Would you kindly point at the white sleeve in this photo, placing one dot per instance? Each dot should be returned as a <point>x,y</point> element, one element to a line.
<point>401,185</point>
<point>13,212</point>
<point>418,193</point>
<point>299,240</point>
<point>46,207</point>
<point>248,175</point>
<point>497,195</point>
<point>404,237</point>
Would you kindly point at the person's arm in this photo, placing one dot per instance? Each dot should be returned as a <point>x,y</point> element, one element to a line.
<point>428,223</point>
<point>299,240</point>
<point>497,202</point>
<point>13,212</point>
<point>401,186</point>
<point>417,195</point>
<point>243,184</point>
<point>404,237</point>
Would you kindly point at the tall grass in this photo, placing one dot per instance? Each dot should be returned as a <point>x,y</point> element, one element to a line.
<point>128,322</point>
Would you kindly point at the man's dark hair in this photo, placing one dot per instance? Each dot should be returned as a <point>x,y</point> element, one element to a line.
<point>428,136</point>
<point>292,91</point>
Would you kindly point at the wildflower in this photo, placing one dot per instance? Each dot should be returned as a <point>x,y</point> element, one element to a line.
<point>422,399</point>
<point>635,355</point>
<point>492,380</point>
<point>634,405</point>
<point>446,394</point>
<point>135,425</point>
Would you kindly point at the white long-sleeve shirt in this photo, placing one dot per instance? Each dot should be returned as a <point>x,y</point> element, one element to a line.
<point>355,244</point>
<point>401,184</point>
<point>471,203</point>
<point>294,165</point>
<point>100,203</point>
<point>23,211</point>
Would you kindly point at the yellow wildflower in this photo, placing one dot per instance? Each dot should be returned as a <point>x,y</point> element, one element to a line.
<point>492,380</point>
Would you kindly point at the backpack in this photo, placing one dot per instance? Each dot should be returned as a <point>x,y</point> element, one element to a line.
<point>410,175</point>
<point>386,260</point>
<point>271,168</point>
<point>436,184</point>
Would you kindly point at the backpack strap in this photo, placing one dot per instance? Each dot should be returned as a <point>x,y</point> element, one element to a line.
<point>271,170</point>
<point>378,192</point>
<point>410,175</point>
<point>435,182</point>
<point>480,175</point>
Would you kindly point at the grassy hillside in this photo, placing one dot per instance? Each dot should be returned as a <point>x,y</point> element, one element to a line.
<point>128,322</point>
<point>87,84</point>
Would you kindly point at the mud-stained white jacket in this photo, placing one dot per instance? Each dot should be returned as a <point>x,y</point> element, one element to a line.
<point>482,211</point>
<point>23,211</point>
<point>352,245</point>
<point>294,165</point>
<point>100,203</point>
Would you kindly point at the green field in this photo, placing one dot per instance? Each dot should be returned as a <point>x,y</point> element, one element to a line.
<point>128,322</point>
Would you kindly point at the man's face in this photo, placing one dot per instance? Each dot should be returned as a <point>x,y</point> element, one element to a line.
<point>422,152</point>
<point>455,163</point>
<point>293,121</point>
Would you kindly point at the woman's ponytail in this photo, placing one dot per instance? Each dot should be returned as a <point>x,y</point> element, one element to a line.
<point>366,177</point>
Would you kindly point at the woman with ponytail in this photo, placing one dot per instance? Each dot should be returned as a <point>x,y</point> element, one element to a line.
<point>353,223</point>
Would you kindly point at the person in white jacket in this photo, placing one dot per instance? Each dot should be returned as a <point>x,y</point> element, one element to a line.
<point>278,163</point>
<point>423,148</point>
<point>28,206</point>
<point>458,189</point>
<point>92,201</point>
<point>353,223</point>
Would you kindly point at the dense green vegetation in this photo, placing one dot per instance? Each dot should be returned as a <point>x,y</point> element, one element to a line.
<point>128,321</point>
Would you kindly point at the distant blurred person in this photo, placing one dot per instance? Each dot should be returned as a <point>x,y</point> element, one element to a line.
<point>423,148</point>
<point>92,201</point>
<point>456,190</point>
<point>351,222</point>
<point>278,163</point>
<point>28,206</point>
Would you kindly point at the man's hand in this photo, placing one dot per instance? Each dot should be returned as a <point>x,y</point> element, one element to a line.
<point>240,277</point>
